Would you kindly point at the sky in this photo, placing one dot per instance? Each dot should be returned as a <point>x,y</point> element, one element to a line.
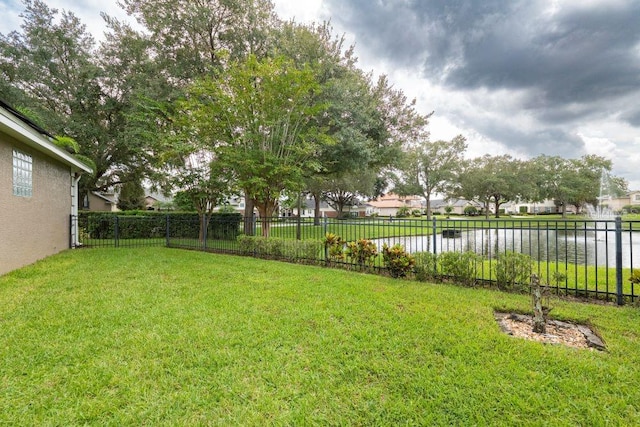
<point>519,77</point>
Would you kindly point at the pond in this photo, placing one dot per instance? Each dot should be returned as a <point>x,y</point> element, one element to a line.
<point>594,247</point>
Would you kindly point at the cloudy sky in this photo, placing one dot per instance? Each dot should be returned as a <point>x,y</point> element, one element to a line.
<point>523,77</point>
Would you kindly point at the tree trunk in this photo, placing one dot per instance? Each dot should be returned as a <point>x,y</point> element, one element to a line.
<point>266,210</point>
<point>248,216</point>
<point>201,232</point>
<point>340,207</point>
<point>201,207</point>
<point>316,213</point>
<point>428,206</point>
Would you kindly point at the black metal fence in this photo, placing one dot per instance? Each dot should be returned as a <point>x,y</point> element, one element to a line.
<point>581,257</point>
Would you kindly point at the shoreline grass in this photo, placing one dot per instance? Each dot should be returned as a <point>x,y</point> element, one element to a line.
<point>170,337</point>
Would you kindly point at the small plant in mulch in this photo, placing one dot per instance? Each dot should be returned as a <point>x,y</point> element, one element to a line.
<point>540,311</point>
<point>540,327</point>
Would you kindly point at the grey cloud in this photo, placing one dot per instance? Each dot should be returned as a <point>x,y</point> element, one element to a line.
<point>633,118</point>
<point>579,54</point>
<point>549,140</point>
<point>578,62</point>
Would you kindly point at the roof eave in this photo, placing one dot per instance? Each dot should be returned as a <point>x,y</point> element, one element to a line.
<point>14,127</point>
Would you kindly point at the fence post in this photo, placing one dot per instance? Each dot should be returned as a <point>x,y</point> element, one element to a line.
<point>71,233</point>
<point>167,232</point>
<point>434,236</point>
<point>205,225</point>
<point>326,249</point>
<point>298,223</point>
<point>254,224</point>
<point>619,291</point>
<point>116,231</point>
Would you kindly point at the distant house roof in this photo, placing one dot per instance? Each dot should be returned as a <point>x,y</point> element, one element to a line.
<point>387,204</point>
<point>157,196</point>
<point>394,201</point>
<point>107,198</point>
<point>24,130</point>
<point>436,204</point>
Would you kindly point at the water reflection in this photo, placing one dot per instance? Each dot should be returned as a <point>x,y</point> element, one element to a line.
<point>594,247</point>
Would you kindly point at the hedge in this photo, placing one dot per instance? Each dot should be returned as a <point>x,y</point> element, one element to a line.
<point>149,224</point>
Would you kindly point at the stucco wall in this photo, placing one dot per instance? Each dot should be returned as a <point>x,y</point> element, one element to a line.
<point>34,227</point>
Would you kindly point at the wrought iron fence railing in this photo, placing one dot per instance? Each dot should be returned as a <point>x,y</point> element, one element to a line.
<point>582,257</point>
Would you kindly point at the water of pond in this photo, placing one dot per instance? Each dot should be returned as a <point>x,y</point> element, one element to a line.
<point>595,247</point>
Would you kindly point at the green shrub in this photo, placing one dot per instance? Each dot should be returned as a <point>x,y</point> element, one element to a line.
<point>226,209</point>
<point>426,266</point>
<point>150,224</point>
<point>403,212</point>
<point>461,266</point>
<point>632,209</point>
<point>280,248</point>
<point>470,211</point>
<point>247,244</point>
<point>416,213</point>
<point>335,246</point>
<point>513,270</point>
<point>523,209</point>
<point>362,252</point>
<point>558,277</point>
<point>274,247</point>
<point>303,250</point>
<point>397,260</point>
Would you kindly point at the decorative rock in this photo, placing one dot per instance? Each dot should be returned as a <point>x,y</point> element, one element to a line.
<point>593,340</point>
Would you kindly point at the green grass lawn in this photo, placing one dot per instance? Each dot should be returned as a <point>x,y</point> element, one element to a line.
<point>162,336</point>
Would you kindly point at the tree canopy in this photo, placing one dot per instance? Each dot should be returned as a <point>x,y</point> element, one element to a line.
<point>272,106</point>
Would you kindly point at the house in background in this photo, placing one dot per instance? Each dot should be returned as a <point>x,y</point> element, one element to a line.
<point>457,206</point>
<point>38,192</point>
<point>155,201</point>
<point>525,207</point>
<point>617,204</point>
<point>100,202</point>
<point>389,204</point>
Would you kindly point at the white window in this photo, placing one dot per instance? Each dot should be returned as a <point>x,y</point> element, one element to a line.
<point>636,197</point>
<point>22,174</point>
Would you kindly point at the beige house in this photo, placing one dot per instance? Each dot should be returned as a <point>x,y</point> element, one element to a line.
<point>99,202</point>
<point>457,206</point>
<point>389,204</point>
<point>618,203</point>
<point>38,192</point>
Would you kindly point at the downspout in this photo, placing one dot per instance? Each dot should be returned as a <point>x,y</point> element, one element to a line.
<point>75,179</point>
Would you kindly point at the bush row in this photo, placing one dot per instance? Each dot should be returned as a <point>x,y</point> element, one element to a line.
<point>147,224</point>
<point>279,248</point>
<point>512,270</point>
